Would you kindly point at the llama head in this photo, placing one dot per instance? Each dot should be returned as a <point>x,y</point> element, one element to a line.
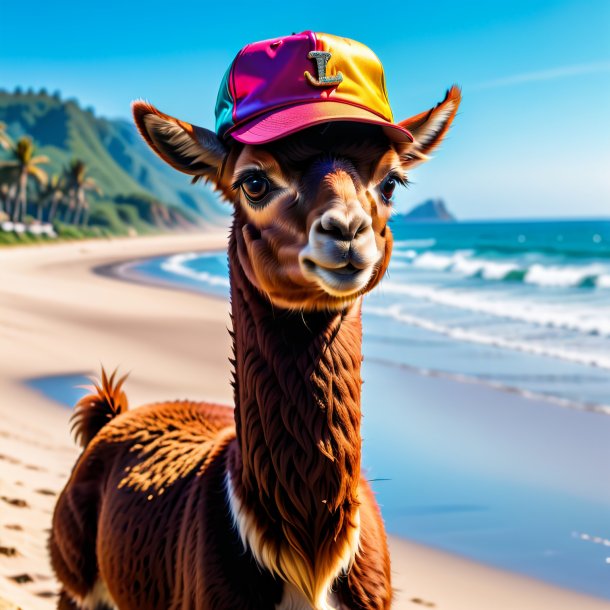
<point>311,209</point>
<point>307,152</point>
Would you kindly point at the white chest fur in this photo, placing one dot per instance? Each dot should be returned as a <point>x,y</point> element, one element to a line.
<point>293,599</point>
<point>282,561</point>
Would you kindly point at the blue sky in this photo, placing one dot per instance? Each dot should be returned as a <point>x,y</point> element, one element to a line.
<point>532,138</point>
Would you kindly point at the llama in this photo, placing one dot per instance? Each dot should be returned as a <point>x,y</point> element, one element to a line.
<point>183,505</point>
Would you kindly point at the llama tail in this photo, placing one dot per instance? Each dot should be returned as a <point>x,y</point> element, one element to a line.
<point>95,410</point>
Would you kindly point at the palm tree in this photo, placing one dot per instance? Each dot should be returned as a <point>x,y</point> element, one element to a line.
<point>78,184</point>
<point>8,189</point>
<point>51,196</point>
<point>25,164</point>
<point>5,141</point>
<point>6,177</point>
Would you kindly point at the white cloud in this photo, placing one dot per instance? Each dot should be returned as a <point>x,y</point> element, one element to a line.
<point>541,75</point>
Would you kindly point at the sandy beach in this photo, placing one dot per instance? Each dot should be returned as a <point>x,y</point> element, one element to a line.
<point>58,317</point>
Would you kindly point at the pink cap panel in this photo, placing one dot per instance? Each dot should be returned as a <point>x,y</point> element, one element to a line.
<point>271,74</point>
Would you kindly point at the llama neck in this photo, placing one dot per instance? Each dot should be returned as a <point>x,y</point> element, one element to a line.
<point>297,409</point>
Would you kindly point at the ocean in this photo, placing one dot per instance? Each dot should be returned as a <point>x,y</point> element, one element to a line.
<point>520,305</point>
<point>487,390</point>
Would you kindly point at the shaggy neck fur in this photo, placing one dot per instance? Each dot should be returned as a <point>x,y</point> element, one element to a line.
<point>294,477</point>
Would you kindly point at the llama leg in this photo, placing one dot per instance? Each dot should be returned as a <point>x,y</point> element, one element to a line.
<point>98,599</point>
<point>65,602</point>
<point>72,548</point>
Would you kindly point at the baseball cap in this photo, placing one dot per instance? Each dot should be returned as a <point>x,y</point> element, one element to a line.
<point>279,86</point>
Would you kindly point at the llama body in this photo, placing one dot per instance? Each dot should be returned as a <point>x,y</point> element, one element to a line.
<point>192,506</point>
<point>167,498</point>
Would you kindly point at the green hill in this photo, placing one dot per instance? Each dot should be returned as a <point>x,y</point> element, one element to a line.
<point>117,157</point>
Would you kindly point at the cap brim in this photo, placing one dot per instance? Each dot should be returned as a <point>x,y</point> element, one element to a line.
<point>282,122</point>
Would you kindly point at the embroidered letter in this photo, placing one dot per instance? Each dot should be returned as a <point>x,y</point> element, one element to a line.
<point>322,58</point>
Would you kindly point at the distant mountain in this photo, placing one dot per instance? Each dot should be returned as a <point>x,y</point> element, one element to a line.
<point>430,210</point>
<point>117,157</point>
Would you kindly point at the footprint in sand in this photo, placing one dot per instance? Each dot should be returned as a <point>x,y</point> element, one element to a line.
<point>8,551</point>
<point>30,441</point>
<point>10,460</point>
<point>21,579</point>
<point>422,602</point>
<point>46,492</point>
<point>18,502</point>
<point>47,594</point>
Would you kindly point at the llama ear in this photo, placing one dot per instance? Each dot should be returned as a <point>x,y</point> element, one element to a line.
<point>429,129</point>
<point>188,148</point>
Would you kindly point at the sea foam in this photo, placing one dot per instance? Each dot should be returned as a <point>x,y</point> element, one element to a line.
<point>178,264</point>
<point>540,314</point>
<point>471,336</point>
<point>466,263</point>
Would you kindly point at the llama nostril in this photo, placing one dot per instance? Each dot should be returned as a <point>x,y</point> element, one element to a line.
<point>362,223</point>
<point>362,228</point>
<point>336,232</point>
<point>343,227</point>
<point>334,226</point>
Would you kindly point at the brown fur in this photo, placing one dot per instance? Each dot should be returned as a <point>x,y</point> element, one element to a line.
<point>145,512</point>
<point>296,461</point>
<point>297,397</point>
<point>185,506</point>
<point>94,411</point>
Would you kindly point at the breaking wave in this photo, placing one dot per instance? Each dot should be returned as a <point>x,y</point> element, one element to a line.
<point>588,322</point>
<point>473,336</point>
<point>467,264</point>
<point>179,265</point>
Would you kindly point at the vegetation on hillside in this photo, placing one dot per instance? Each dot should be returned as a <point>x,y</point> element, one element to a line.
<point>61,165</point>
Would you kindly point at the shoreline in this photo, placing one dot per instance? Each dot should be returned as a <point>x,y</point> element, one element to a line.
<point>122,272</point>
<point>125,271</point>
<point>61,315</point>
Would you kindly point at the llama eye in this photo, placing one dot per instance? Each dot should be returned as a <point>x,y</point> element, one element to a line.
<point>255,188</point>
<point>387,188</point>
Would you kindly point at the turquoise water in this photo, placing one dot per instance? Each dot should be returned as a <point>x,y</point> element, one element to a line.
<point>525,306</point>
